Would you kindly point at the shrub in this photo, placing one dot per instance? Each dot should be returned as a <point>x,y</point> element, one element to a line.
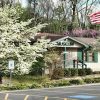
<point>3,87</point>
<point>89,80</point>
<point>18,87</point>
<point>97,80</point>
<point>88,71</point>
<point>14,87</point>
<point>67,72</point>
<point>96,72</point>
<point>58,73</point>
<point>56,83</point>
<point>35,85</point>
<point>81,72</point>
<point>63,83</point>
<point>74,72</point>
<point>29,78</point>
<point>37,67</point>
<point>47,84</point>
<point>76,81</point>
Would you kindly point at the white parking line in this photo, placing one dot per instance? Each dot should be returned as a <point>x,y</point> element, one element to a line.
<point>26,97</point>
<point>6,96</point>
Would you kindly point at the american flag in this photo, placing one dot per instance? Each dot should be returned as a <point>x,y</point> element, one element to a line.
<point>95,18</point>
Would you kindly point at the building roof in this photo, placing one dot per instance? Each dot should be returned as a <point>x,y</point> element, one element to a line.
<point>88,41</point>
<point>54,37</point>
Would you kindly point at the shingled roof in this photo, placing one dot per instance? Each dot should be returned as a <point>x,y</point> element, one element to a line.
<point>88,41</point>
<point>53,37</point>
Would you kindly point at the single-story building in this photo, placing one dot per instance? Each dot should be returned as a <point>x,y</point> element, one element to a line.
<point>76,51</point>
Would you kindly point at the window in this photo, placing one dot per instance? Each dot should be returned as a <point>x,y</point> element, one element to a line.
<point>90,56</point>
<point>85,56</point>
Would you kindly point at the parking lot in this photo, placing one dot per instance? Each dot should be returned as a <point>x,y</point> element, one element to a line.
<point>87,92</point>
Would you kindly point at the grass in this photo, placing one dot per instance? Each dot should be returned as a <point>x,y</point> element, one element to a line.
<point>25,79</point>
<point>29,82</point>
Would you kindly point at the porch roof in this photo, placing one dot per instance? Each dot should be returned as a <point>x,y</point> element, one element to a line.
<point>82,40</point>
<point>88,41</point>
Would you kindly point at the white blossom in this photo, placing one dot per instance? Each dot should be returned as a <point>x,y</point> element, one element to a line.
<point>12,33</point>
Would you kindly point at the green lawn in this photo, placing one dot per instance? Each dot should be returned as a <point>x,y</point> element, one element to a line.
<point>29,82</point>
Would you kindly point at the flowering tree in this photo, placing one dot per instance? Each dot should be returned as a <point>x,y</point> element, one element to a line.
<point>84,33</point>
<point>15,40</point>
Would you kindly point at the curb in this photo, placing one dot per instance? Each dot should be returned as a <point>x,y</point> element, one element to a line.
<point>73,86</point>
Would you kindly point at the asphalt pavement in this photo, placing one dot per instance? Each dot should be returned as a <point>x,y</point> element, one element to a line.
<point>85,92</point>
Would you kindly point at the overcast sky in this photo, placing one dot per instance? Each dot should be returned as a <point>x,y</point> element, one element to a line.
<point>24,4</point>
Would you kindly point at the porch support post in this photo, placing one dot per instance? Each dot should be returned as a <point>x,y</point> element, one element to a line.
<point>65,56</point>
<point>82,59</point>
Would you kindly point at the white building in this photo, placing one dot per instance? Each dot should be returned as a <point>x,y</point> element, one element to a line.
<point>76,51</point>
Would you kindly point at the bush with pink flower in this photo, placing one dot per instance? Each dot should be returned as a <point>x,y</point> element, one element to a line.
<point>83,33</point>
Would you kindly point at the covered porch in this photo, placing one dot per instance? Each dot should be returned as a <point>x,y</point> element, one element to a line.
<point>72,52</point>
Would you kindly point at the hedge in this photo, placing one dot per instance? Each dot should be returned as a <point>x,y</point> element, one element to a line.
<point>77,72</point>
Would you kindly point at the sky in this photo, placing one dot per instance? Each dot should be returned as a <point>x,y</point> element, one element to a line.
<point>55,1</point>
<point>25,3</point>
<point>96,8</point>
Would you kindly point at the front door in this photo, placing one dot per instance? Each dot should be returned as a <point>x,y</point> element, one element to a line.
<point>68,57</point>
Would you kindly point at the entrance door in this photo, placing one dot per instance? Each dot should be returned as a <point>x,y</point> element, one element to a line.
<point>68,60</point>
